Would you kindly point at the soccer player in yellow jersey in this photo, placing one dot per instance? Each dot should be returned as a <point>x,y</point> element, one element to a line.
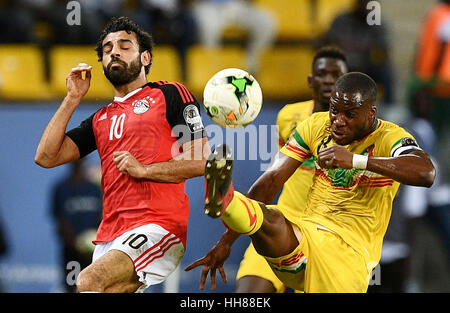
<point>360,161</point>
<point>254,274</point>
<point>329,63</point>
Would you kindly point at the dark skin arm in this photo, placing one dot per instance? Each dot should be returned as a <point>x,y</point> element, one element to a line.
<point>414,168</point>
<point>215,258</point>
<point>266,187</point>
<point>263,190</point>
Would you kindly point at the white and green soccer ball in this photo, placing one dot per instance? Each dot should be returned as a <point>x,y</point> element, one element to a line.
<point>232,98</point>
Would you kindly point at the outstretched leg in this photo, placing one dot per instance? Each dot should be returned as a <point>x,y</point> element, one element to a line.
<point>271,234</point>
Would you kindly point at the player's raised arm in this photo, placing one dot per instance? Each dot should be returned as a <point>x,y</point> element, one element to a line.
<point>55,148</point>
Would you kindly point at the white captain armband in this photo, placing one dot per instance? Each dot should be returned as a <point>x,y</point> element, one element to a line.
<point>406,145</point>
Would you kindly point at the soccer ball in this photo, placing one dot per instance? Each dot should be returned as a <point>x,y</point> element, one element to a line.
<point>232,98</point>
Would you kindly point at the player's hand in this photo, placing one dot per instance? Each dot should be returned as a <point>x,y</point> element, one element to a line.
<point>127,163</point>
<point>78,83</point>
<point>335,156</point>
<point>211,262</point>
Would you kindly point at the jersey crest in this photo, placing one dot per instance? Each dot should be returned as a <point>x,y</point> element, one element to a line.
<point>141,106</point>
<point>346,178</point>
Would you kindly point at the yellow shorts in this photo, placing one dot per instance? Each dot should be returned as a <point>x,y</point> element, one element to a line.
<point>322,262</point>
<point>254,264</point>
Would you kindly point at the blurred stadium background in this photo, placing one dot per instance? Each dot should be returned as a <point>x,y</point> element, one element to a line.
<point>33,68</point>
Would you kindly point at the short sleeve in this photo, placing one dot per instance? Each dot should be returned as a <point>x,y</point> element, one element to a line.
<point>83,136</point>
<point>183,113</point>
<point>297,147</point>
<point>398,141</point>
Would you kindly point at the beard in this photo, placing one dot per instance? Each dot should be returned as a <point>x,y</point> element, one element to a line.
<point>124,74</point>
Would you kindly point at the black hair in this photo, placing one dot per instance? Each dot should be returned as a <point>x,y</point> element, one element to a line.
<point>358,82</point>
<point>330,52</point>
<point>116,24</point>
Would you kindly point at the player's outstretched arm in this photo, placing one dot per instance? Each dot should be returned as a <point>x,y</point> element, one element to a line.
<point>190,163</point>
<point>215,259</point>
<point>414,168</point>
<point>55,148</point>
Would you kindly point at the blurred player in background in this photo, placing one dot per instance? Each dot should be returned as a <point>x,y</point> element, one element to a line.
<point>433,60</point>
<point>213,17</point>
<point>150,139</point>
<point>254,274</point>
<point>432,70</point>
<point>366,46</point>
<point>360,162</point>
<point>77,209</point>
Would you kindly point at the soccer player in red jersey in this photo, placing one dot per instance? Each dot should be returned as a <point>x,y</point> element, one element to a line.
<point>150,139</point>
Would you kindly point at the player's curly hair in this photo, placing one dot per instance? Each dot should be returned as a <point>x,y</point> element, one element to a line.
<point>145,40</point>
<point>330,52</point>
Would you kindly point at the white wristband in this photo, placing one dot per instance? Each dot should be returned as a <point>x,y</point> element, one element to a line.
<point>360,161</point>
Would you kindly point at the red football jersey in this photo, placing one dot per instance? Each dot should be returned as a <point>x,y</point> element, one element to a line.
<point>151,123</point>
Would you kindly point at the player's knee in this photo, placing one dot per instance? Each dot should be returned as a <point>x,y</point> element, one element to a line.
<point>276,236</point>
<point>88,281</point>
<point>273,217</point>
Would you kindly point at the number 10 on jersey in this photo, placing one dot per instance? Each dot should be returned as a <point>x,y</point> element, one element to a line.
<point>116,130</point>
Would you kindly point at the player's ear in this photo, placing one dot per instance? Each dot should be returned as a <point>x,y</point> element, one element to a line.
<point>146,58</point>
<point>373,111</point>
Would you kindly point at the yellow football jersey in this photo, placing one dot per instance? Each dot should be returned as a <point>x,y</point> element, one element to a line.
<point>356,204</point>
<point>292,200</point>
